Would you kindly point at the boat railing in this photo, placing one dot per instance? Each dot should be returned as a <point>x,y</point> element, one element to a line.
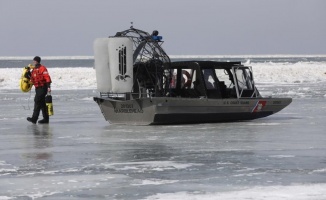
<point>113,95</point>
<point>125,96</point>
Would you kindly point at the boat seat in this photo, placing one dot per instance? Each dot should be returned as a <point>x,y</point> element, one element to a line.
<point>222,88</point>
<point>214,93</point>
<point>190,93</point>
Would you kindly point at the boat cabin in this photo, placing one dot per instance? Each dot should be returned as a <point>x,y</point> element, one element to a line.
<point>210,79</point>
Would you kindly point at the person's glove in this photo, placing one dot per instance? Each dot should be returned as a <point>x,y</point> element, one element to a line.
<point>49,87</point>
<point>30,66</point>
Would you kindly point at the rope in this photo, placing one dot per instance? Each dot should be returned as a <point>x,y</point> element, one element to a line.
<point>28,107</point>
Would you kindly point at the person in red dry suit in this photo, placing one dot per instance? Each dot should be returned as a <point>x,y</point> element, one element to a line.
<point>42,83</point>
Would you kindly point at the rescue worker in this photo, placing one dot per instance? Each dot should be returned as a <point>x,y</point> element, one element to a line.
<point>42,82</point>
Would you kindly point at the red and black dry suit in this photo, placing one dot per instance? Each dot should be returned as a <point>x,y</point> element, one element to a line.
<point>41,80</point>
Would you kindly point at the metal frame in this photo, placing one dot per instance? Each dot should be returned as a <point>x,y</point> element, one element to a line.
<point>146,49</point>
<point>248,78</point>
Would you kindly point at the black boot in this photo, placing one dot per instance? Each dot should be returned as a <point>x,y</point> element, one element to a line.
<point>43,121</point>
<point>31,120</point>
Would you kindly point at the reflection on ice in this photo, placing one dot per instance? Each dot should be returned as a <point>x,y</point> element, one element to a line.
<point>154,182</point>
<point>263,124</point>
<point>294,192</point>
<point>150,165</point>
<point>282,156</point>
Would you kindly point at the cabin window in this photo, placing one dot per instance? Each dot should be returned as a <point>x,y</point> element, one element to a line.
<point>188,77</point>
<point>224,77</point>
<point>173,83</point>
<point>209,78</point>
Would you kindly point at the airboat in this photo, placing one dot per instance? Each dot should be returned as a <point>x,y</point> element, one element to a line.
<point>138,84</point>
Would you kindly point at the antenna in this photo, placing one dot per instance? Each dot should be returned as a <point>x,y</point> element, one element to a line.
<point>132,24</point>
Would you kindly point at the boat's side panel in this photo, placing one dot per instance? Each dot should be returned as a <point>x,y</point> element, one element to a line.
<point>175,111</point>
<point>186,110</point>
<point>175,105</point>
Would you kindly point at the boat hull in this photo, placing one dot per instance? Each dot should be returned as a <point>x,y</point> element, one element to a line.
<point>166,110</point>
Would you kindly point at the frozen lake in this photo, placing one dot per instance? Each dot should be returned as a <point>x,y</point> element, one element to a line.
<point>81,156</point>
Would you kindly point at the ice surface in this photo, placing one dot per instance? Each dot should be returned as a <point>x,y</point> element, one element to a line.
<point>171,56</point>
<point>81,156</point>
<point>301,72</point>
<point>299,80</point>
<point>62,78</point>
<point>29,58</point>
<point>295,192</point>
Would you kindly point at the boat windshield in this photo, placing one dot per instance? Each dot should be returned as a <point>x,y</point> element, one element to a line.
<point>244,78</point>
<point>245,82</point>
